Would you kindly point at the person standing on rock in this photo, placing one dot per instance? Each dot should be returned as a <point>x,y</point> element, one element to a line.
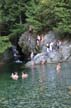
<point>32,57</point>
<point>51,46</point>
<point>48,48</point>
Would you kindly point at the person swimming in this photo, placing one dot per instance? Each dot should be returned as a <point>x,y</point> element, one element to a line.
<point>14,76</point>
<point>24,75</point>
<point>58,67</point>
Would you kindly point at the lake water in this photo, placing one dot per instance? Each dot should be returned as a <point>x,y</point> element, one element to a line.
<point>44,87</point>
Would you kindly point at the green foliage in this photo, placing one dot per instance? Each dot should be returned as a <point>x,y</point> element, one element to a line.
<point>12,13</point>
<point>63,14</point>
<point>52,14</point>
<point>41,14</point>
<point>33,17</point>
<point>4,43</point>
<point>17,29</point>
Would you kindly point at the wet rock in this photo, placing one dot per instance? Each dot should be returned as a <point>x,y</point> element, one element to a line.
<point>29,63</point>
<point>39,58</point>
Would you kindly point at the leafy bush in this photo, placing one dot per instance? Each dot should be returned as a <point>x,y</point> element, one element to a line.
<point>4,43</point>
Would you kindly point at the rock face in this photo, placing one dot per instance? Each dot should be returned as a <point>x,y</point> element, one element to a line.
<point>49,37</point>
<point>66,50</point>
<point>55,56</point>
<point>28,43</point>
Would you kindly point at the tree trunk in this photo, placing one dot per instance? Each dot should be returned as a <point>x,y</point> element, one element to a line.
<point>20,19</point>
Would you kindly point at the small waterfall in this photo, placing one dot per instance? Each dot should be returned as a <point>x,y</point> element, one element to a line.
<point>16,54</point>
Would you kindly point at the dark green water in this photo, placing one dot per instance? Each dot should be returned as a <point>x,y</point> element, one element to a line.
<point>44,87</point>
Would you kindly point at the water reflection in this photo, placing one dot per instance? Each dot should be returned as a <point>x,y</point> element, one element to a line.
<point>51,79</point>
<point>43,88</point>
<point>42,78</point>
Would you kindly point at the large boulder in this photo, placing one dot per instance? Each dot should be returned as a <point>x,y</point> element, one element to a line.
<point>44,57</point>
<point>27,42</point>
<point>37,59</point>
<point>66,50</point>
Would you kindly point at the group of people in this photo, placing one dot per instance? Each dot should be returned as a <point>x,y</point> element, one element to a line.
<point>15,75</point>
<point>54,45</point>
<point>50,47</point>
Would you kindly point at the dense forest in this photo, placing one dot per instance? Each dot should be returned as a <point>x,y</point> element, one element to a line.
<point>42,15</point>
